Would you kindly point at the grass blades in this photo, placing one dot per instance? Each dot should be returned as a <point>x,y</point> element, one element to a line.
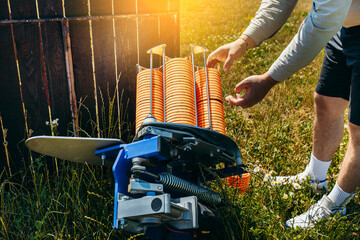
<point>274,138</point>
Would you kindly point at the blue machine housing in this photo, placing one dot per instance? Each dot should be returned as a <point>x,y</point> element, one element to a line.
<point>180,148</point>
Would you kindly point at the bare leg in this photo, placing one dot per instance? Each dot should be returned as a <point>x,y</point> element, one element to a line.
<point>328,133</point>
<point>328,126</point>
<point>349,177</point>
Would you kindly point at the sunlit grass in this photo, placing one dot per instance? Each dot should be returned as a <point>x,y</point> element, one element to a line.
<point>276,134</point>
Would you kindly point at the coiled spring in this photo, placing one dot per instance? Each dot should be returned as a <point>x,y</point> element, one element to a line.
<point>178,185</point>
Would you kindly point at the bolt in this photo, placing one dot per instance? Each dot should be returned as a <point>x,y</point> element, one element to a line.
<point>211,154</point>
<point>149,129</point>
<point>122,223</point>
<point>218,150</point>
<point>159,187</point>
<point>103,157</point>
<point>123,198</point>
<point>140,228</point>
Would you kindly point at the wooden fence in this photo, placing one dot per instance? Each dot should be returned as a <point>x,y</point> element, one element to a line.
<point>60,58</point>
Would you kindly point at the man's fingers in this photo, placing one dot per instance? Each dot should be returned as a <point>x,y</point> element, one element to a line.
<point>243,85</point>
<point>212,59</point>
<point>239,101</point>
<point>228,63</point>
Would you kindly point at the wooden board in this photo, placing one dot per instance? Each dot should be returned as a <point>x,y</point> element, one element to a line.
<point>73,149</point>
<point>84,86</point>
<point>75,8</point>
<point>154,6</point>
<point>4,13</point>
<point>149,37</point>
<point>21,9</point>
<point>170,34</point>
<point>125,7</point>
<point>127,59</point>
<point>56,74</point>
<point>10,103</point>
<point>34,90</point>
<point>50,8</point>
<point>102,7</point>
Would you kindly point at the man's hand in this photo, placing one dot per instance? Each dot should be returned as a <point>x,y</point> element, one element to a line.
<point>230,52</point>
<point>256,87</point>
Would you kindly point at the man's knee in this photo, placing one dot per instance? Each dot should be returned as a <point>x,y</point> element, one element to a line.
<point>354,131</point>
<point>330,107</point>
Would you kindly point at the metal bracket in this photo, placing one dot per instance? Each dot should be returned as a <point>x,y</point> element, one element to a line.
<point>138,186</point>
<point>135,215</point>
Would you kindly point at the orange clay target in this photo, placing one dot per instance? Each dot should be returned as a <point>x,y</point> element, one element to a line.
<point>143,96</point>
<point>240,182</point>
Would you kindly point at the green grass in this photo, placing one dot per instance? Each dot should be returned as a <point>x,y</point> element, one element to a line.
<point>274,136</point>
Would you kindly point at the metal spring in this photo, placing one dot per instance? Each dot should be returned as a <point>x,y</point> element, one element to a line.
<point>178,185</point>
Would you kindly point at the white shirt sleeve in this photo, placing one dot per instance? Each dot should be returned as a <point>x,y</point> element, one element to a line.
<point>270,17</point>
<point>325,19</point>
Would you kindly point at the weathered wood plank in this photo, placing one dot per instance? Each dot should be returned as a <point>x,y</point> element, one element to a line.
<point>170,35</point>
<point>10,103</point>
<point>102,7</point>
<point>174,6</point>
<point>34,92</point>
<point>154,6</point>
<point>104,68</point>
<point>23,9</point>
<point>125,7</point>
<point>84,87</point>
<point>4,13</point>
<point>76,8</point>
<point>127,60</point>
<point>149,36</point>
<point>50,8</point>
<point>56,74</point>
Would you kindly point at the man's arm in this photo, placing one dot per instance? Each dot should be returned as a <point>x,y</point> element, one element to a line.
<point>325,19</point>
<point>271,15</point>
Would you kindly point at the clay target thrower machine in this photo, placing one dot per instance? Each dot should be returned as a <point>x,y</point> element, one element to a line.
<point>159,177</point>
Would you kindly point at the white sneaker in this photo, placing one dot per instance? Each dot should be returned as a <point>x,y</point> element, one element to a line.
<point>296,181</point>
<point>324,208</point>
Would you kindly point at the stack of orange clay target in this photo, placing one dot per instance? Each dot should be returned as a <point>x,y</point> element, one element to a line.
<point>183,96</point>
<point>143,96</point>
<point>179,92</point>
<point>215,99</point>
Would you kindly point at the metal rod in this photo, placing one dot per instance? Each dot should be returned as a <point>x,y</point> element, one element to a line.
<point>193,65</point>
<point>151,76</point>
<point>150,114</point>
<point>158,50</point>
<point>164,77</point>
<point>138,68</point>
<point>137,33</point>
<point>84,18</point>
<point>207,90</point>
